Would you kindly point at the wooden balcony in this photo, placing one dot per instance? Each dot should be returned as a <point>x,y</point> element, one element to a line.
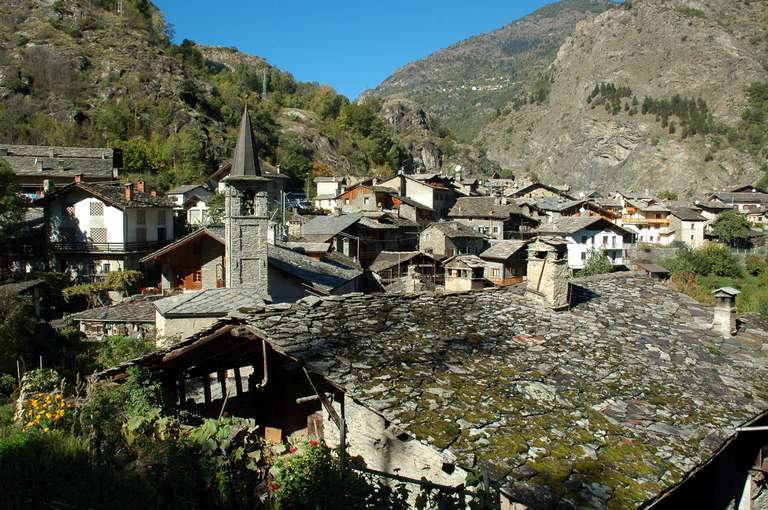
<point>89,247</point>
<point>631,220</point>
<point>503,282</point>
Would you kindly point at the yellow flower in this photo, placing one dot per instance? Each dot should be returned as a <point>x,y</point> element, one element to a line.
<point>48,415</point>
<point>34,402</point>
<point>45,429</point>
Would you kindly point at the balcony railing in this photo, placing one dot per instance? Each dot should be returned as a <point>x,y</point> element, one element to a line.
<point>503,282</point>
<point>89,247</point>
<point>642,221</point>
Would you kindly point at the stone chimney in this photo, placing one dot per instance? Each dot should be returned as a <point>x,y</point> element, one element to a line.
<point>548,272</point>
<point>140,186</point>
<point>724,321</point>
<point>128,192</point>
<point>78,178</point>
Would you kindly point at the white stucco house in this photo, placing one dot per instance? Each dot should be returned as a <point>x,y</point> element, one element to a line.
<point>326,191</point>
<point>95,228</point>
<point>584,234</point>
<point>191,201</point>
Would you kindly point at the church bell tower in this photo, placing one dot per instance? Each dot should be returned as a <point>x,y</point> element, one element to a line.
<point>246,219</point>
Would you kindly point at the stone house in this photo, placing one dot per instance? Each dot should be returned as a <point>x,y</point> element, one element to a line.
<point>584,234</point>
<point>498,217</point>
<point>506,262</point>
<point>464,273</point>
<point>435,192</point>
<point>552,208</point>
<point>600,391</point>
<point>40,169</point>
<point>366,196</point>
<point>362,236</point>
<point>448,238</point>
<point>711,210</point>
<point>95,228</point>
<point>326,191</point>
<point>758,216</point>
<point>537,190</point>
<point>393,266</point>
<point>134,319</point>
<point>742,201</point>
<point>414,211</point>
<point>688,225</point>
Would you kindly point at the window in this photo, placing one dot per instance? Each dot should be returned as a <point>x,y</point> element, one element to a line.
<point>495,230</point>
<point>141,235</point>
<point>366,200</point>
<point>141,217</point>
<point>613,241</point>
<point>495,272</point>
<point>106,267</point>
<point>583,255</point>
<point>97,208</point>
<point>605,240</point>
<point>346,201</point>
<point>161,233</point>
<point>161,216</point>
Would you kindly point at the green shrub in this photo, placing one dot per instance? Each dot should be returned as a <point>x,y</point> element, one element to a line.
<point>7,385</point>
<point>310,478</point>
<point>756,265</point>
<point>116,349</point>
<point>597,263</point>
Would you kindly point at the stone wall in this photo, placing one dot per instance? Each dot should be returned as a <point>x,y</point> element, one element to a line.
<point>170,330</point>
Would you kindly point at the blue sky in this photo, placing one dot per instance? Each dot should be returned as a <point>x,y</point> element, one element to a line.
<point>351,45</point>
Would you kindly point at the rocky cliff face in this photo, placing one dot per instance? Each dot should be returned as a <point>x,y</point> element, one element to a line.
<point>658,48</point>
<point>464,85</point>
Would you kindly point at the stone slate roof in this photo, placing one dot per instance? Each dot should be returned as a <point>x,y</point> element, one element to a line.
<point>470,261</point>
<point>413,203</point>
<point>208,303</point>
<point>609,403</point>
<point>573,224</point>
<point>111,194</point>
<point>318,274</point>
<point>687,214</point>
<point>185,188</point>
<point>711,204</point>
<point>138,311</point>
<point>741,197</point>
<point>483,207</point>
<point>245,161</point>
<point>329,225</point>
<point>19,287</point>
<point>502,250</point>
<point>387,259</point>
<point>454,229</point>
<point>92,163</point>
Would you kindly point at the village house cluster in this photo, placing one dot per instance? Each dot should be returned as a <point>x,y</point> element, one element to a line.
<point>430,325</point>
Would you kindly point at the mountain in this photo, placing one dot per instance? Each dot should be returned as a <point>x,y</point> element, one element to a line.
<point>83,73</point>
<point>657,94</point>
<point>465,85</point>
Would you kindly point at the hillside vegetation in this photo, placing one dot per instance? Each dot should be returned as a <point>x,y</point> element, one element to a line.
<point>80,73</point>
<point>467,84</point>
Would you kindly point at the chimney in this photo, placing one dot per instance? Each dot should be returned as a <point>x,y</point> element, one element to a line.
<point>129,192</point>
<point>140,186</point>
<point>153,194</point>
<point>548,272</point>
<point>78,178</point>
<point>724,321</point>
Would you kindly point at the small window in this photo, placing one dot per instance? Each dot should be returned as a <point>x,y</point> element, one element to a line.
<point>161,216</point>
<point>366,200</point>
<point>496,272</point>
<point>97,208</point>
<point>583,255</point>
<point>161,233</point>
<point>106,267</point>
<point>605,240</point>
<point>346,201</point>
<point>141,217</point>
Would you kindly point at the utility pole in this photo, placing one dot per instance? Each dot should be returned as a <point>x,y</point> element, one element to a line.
<point>264,85</point>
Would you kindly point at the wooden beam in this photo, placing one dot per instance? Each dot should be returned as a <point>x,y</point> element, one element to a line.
<point>238,382</point>
<point>207,388</point>
<point>221,375</point>
<point>178,353</point>
<point>327,405</point>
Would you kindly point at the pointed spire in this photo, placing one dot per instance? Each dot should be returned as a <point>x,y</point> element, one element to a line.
<point>245,161</point>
